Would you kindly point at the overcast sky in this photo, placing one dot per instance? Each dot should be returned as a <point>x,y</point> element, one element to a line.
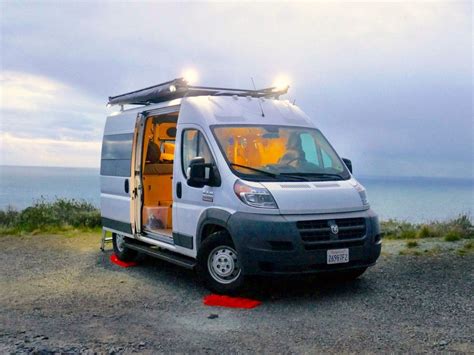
<point>389,83</point>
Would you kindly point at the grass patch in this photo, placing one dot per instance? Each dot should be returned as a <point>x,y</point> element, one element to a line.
<point>452,236</point>
<point>455,229</point>
<point>410,252</point>
<point>412,244</point>
<point>469,246</point>
<point>51,217</point>
<point>434,251</point>
<point>408,234</point>
<point>466,249</point>
<point>427,232</point>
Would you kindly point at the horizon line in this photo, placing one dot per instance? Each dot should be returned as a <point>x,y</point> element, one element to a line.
<point>361,175</point>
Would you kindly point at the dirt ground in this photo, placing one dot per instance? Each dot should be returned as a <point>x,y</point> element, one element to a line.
<point>61,294</point>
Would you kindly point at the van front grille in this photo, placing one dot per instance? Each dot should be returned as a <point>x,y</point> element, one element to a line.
<point>322,233</point>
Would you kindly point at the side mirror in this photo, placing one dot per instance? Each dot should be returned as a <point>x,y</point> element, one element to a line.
<point>348,164</point>
<point>199,173</point>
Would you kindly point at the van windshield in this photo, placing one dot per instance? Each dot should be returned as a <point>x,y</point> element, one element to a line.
<point>268,152</point>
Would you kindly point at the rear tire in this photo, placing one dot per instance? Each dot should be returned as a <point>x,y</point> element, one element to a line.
<point>218,264</point>
<point>121,251</point>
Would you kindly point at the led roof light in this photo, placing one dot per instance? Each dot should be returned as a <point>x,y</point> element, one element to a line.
<point>281,82</point>
<point>190,75</point>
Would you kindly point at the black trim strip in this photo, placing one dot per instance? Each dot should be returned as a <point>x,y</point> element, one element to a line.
<point>117,225</point>
<point>183,240</point>
<point>169,256</point>
<point>153,235</point>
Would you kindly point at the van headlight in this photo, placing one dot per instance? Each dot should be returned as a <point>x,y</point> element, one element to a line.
<point>254,194</point>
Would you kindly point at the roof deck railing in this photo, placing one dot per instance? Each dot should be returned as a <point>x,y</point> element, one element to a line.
<point>179,88</point>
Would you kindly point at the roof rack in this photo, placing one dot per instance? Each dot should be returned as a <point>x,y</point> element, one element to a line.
<point>179,88</point>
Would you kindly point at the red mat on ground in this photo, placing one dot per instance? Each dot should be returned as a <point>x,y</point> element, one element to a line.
<point>230,302</point>
<point>115,260</point>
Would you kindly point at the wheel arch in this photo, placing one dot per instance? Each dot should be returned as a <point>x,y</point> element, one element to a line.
<point>211,220</point>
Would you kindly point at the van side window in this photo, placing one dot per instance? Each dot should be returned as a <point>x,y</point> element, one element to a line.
<point>194,145</point>
<point>316,152</point>
<point>116,154</point>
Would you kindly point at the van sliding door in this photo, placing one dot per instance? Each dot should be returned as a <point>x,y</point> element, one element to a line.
<point>116,186</point>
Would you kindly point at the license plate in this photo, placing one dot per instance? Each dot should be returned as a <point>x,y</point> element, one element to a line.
<point>338,256</point>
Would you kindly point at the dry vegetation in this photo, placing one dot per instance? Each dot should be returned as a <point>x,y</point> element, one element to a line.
<point>451,230</point>
<point>50,217</point>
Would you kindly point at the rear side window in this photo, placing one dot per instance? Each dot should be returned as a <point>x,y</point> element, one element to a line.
<point>116,154</point>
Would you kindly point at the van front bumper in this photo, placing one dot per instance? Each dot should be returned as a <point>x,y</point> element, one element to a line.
<point>277,244</point>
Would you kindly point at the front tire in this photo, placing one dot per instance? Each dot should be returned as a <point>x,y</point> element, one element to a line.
<point>218,264</point>
<point>121,251</point>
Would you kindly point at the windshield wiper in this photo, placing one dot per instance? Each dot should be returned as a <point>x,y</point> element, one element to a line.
<point>268,173</point>
<point>255,169</point>
<point>323,175</point>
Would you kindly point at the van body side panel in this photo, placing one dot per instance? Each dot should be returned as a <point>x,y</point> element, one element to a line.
<point>116,172</point>
<point>114,202</point>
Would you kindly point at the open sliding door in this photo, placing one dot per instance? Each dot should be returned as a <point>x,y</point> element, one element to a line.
<point>138,171</point>
<point>116,174</point>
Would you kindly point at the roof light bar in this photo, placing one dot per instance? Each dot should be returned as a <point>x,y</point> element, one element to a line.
<point>179,88</point>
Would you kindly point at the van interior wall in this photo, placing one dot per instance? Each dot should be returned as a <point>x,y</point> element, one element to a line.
<point>248,146</point>
<point>158,158</point>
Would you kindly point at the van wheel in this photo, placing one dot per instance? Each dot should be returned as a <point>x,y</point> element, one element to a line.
<point>123,253</point>
<point>218,264</point>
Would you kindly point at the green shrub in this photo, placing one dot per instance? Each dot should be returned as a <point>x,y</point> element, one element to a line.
<point>412,244</point>
<point>408,234</point>
<point>460,226</point>
<point>452,236</point>
<point>394,229</point>
<point>426,232</point>
<point>469,245</point>
<point>8,216</point>
<point>60,214</point>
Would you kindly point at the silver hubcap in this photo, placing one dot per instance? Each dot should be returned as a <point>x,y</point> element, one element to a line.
<point>120,241</point>
<point>223,264</point>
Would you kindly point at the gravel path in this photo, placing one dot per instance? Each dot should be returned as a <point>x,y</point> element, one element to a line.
<point>61,294</point>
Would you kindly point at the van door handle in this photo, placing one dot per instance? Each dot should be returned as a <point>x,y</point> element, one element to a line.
<point>126,186</point>
<point>179,189</point>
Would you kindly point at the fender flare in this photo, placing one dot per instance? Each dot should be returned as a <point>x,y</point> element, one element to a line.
<point>215,216</point>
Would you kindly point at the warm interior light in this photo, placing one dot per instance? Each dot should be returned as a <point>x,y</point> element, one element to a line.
<point>281,82</point>
<point>190,75</point>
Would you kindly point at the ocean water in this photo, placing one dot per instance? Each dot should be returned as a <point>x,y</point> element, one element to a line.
<point>412,199</point>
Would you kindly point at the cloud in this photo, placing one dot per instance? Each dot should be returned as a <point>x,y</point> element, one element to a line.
<point>390,83</point>
<point>36,106</point>
<point>23,92</point>
<point>48,152</point>
<point>46,122</point>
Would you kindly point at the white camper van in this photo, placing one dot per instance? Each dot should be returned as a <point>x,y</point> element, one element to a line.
<point>232,183</point>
